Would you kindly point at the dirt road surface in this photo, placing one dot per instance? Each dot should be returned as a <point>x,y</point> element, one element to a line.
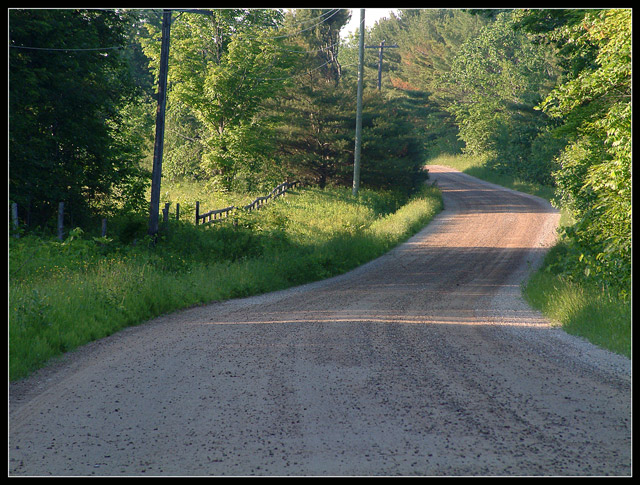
<point>423,362</point>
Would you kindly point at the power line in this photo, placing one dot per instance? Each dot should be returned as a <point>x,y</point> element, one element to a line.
<point>330,14</point>
<point>337,10</point>
<point>314,18</point>
<point>296,51</point>
<point>65,49</point>
<point>300,22</point>
<point>301,73</point>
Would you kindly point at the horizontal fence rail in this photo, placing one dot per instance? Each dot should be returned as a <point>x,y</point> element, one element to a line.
<point>258,203</point>
<point>212,216</point>
<point>205,218</point>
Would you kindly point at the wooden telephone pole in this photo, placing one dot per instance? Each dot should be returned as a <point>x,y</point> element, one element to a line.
<point>382,47</point>
<point>156,174</point>
<point>356,154</point>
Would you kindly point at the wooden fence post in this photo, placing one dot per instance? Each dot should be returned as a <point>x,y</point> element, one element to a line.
<point>165,212</point>
<point>60,221</point>
<point>197,212</point>
<point>14,218</point>
<point>177,211</point>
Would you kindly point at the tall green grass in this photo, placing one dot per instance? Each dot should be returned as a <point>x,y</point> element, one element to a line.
<point>65,294</point>
<point>583,308</point>
<point>477,167</point>
<point>579,306</point>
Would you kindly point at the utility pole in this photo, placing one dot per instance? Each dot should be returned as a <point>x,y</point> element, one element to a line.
<point>382,47</point>
<point>158,148</point>
<point>356,155</point>
<point>156,174</point>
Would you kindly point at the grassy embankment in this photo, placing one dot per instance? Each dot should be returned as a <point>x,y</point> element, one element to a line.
<point>65,294</point>
<point>581,307</point>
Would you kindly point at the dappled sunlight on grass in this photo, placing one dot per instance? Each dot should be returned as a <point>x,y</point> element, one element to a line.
<point>63,295</point>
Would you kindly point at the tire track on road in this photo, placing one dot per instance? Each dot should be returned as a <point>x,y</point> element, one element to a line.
<point>425,361</point>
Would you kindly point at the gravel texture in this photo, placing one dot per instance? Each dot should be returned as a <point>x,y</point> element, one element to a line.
<point>425,361</point>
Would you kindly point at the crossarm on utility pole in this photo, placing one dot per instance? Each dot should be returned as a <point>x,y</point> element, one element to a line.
<point>382,47</point>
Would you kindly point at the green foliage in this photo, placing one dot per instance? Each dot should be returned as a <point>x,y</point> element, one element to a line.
<point>429,41</point>
<point>313,120</point>
<point>575,134</point>
<point>498,77</point>
<point>69,137</point>
<point>582,308</point>
<point>314,126</point>
<point>314,38</point>
<point>594,177</point>
<point>546,26</point>
<point>258,96</point>
<point>223,67</point>
<point>64,294</point>
<point>393,152</point>
<point>184,144</point>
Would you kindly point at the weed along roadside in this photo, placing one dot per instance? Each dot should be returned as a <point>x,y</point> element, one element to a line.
<point>579,305</point>
<point>65,294</point>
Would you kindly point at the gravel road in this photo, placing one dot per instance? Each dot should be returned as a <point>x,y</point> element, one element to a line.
<point>425,361</point>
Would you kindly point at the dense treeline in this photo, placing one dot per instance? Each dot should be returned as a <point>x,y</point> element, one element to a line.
<point>543,95</point>
<point>260,95</point>
<point>71,136</point>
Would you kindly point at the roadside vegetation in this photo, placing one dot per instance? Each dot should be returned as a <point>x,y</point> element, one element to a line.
<point>580,305</point>
<point>534,99</point>
<point>65,294</point>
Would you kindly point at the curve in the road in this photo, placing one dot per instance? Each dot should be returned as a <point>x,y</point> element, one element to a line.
<point>423,362</point>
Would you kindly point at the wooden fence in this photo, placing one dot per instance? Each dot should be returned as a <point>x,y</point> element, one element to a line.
<point>220,214</point>
<point>211,216</point>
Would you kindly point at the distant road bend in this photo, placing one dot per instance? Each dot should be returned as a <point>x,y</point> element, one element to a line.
<point>425,361</point>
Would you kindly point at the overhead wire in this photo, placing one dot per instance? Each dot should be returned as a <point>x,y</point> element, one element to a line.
<point>335,11</point>
<point>302,73</point>
<point>65,49</point>
<point>329,14</point>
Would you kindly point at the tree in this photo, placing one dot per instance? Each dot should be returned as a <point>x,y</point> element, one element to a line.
<point>496,79</point>
<point>393,152</point>
<point>313,117</point>
<point>314,33</point>
<point>314,131</point>
<point>594,178</point>
<point>222,68</point>
<point>67,134</point>
<point>429,41</point>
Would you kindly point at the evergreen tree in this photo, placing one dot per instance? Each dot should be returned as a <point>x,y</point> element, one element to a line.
<point>393,152</point>
<point>314,117</point>
<point>69,85</point>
